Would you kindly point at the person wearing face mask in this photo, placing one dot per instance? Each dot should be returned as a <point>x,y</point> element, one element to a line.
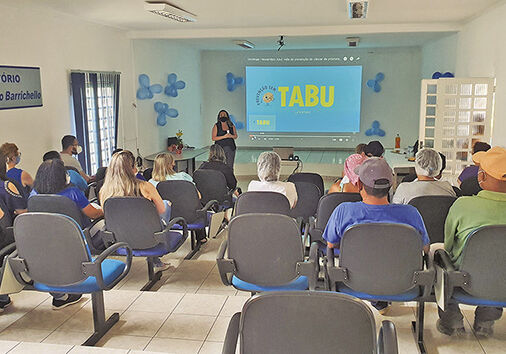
<point>466,215</point>
<point>224,134</point>
<point>13,156</point>
<point>70,147</point>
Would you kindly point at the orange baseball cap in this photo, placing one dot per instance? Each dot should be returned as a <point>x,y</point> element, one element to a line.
<point>493,162</point>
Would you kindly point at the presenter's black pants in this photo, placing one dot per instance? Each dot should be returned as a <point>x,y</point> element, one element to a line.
<point>230,155</point>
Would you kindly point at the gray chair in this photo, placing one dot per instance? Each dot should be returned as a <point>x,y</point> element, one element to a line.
<point>265,253</point>
<point>434,209</point>
<point>135,221</point>
<point>58,204</point>
<point>470,186</point>
<point>7,233</point>
<point>308,196</point>
<point>262,202</point>
<point>479,280</point>
<point>52,252</point>
<point>308,177</point>
<point>212,185</point>
<point>383,262</point>
<point>308,322</point>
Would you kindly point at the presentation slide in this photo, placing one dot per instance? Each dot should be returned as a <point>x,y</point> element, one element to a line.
<point>303,99</point>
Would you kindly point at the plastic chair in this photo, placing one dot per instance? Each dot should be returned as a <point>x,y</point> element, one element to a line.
<point>301,322</point>
<point>479,281</point>
<point>262,202</point>
<point>66,264</point>
<point>470,186</point>
<point>186,204</point>
<point>308,177</point>
<point>434,209</point>
<point>383,262</point>
<point>265,253</point>
<point>58,204</point>
<point>308,196</point>
<point>212,185</point>
<point>135,221</point>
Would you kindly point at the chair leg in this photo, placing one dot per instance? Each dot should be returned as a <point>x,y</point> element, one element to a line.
<point>152,276</point>
<point>100,324</point>
<point>195,245</point>
<point>417,326</point>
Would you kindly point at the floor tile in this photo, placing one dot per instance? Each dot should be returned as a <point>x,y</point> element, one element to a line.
<point>193,304</point>
<point>213,282</point>
<point>120,300</point>
<point>219,329</point>
<point>232,305</point>
<point>211,348</point>
<point>67,337</point>
<point>24,334</point>
<point>82,321</point>
<point>27,300</point>
<point>40,348</point>
<point>42,318</point>
<point>180,326</point>
<point>170,345</point>
<point>123,342</point>
<point>96,350</point>
<point>156,302</point>
<point>183,282</point>
<point>6,345</point>
<point>136,323</point>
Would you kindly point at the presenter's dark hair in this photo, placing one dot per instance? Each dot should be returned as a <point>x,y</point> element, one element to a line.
<point>67,140</point>
<point>229,122</point>
<point>51,177</point>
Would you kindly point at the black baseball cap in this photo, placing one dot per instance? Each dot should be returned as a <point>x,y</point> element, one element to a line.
<point>374,149</point>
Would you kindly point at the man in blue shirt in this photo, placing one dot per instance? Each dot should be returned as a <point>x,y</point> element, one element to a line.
<point>375,181</point>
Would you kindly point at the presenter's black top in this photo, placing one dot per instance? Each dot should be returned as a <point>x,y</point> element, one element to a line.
<point>223,168</point>
<point>225,142</point>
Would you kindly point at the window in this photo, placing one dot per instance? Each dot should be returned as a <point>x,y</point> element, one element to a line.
<point>95,96</point>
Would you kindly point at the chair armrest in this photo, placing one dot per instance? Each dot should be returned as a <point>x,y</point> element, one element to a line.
<point>18,266</point>
<point>305,236</point>
<point>387,339</point>
<point>312,222</point>
<point>310,268</point>
<point>208,205</point>
<point>448,277</point>
<point>95,268</point>
<point>425,279</point>
<point>225,266</point>
<point>7,250</point>
<point>230,344</point>
<point>442,259</point>
<point>178,220</point>
<point>335,274</point>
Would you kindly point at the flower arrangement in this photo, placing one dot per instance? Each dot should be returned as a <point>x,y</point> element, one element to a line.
<point>177,148</point>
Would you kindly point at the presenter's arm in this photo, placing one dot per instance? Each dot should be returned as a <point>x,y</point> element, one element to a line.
<point>233,136</point>
<point>215,136</point>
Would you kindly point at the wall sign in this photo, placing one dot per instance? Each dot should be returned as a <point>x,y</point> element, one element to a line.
<point>19,87</point>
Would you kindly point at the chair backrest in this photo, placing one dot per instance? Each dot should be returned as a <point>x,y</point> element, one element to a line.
<point>306,322</point>
<point>147,174</point>
<point>98,187</point>
<point>6,220</point>
<point>100,175</point>
<point>212,185</point>
<point>52,246</point>
<point>133,220</point>
<point>184,198</point>
<point>58,204</point>
<point>262,202</point>
<point>381,258</point>
<point>308,177</point>
<point>434,209</point>
<point>265,248</point>
<point>470,186</point>
<point>484,259</point>
<point>308,196</point>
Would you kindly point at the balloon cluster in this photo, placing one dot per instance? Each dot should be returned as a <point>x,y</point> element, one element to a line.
<point>147,91</point>
<point>164,111</point>
<point>239,125</point>
<point>438,75</point>
<point>375,129</point>
<point>233,82</point>
<point>375,83</point>
<point>174,85</point>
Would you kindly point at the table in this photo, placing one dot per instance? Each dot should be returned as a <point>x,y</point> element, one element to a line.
<point>185,161</point>
<point>400,165</point>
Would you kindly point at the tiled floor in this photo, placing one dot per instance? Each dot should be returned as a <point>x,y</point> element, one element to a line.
<point>188,314</point>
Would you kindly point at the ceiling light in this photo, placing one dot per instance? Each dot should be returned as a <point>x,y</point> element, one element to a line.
<point>244,44</point>
<point>357,9</point>
<point>170,11</point>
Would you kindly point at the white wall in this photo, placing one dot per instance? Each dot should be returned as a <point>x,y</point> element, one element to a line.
<point>439,55</point>
<point>158,59</point>
<point>396,107</point>
<point>58,43</point>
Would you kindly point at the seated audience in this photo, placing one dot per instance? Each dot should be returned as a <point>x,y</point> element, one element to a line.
<point>412,176</point>
<point>13,156</point>
<point>163,170</point>
<point>70,147</point>
<point>120,181</point>
<point>75,178</point>
<point>466,215</point>
<point>472,171</point>
<point>13,200</point>
<point>100,175</point>
<point>268,169</point>
<point>374,183</point>
<point>217,161</point>
<point>360,149</point>
<point>349,182</point>
<point>428,166</point>
<point>374,149</point>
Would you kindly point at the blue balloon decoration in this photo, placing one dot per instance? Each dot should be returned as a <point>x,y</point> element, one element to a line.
<point>146,91</point>
<point>173,85</point>
<point>233,82</point>
<point>375,129</point>
<point>164,111</point>
<point>239,125</point>
<point>438,75</point>
<point>374,83</point>
<point>447,74</point>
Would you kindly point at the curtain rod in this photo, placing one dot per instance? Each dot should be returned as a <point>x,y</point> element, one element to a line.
<point>95,71</point>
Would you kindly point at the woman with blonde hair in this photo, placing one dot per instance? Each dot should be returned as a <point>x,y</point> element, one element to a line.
<point>120,181</point>
<point>163,170</point>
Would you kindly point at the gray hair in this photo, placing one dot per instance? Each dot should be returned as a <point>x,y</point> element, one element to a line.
<point>268,166</point>
<point>428,163</point>
<point>216,153</point>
